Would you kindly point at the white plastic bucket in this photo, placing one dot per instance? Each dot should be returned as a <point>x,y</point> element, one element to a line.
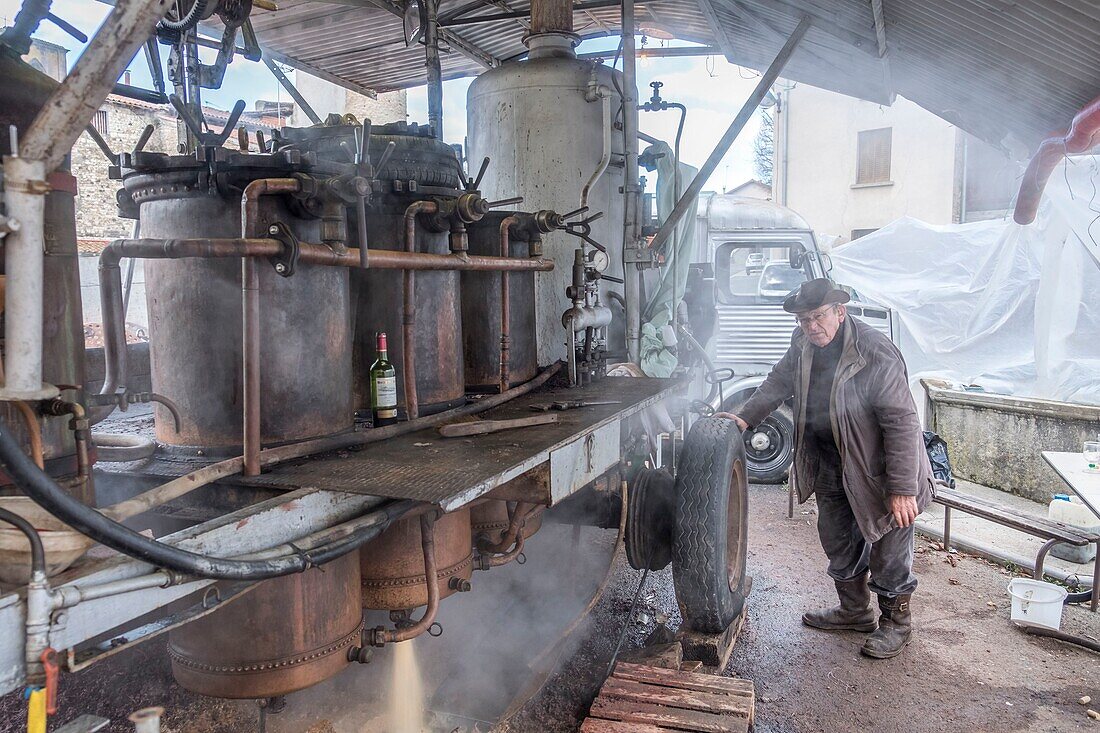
<point>1035,603</point>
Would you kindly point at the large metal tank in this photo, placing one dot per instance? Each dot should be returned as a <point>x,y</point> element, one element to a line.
<point>550,93</point>
<point>481,311</point>
<point>195,311</point>
<point>392,566</point>
<point>22,95</point>
<point>285,635</point>
<point>420,168</point>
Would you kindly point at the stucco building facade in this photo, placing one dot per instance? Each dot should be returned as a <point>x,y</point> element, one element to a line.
<point>850,167</point>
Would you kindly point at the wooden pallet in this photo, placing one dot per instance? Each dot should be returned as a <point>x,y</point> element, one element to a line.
<point>642,699</point>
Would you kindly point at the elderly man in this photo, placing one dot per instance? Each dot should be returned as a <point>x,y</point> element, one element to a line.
<point>859,448</point>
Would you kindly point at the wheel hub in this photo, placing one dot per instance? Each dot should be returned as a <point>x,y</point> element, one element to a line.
<point>760,441</point>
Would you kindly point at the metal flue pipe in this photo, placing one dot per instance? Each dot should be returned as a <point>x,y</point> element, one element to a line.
<point>632,226</point>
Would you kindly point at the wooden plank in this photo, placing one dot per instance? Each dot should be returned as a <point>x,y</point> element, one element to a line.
<point>684,720</point>
<point>713,650</point>
<point>682,680</point>
<point>1034,525</point>
<point>595,725</point>
<point>707,702</point>
<point>484,427</point>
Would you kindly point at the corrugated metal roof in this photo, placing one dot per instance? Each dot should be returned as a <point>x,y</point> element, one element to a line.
<point>996,68</point>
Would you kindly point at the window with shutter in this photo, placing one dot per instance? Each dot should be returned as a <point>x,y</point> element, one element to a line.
<point>100,122</point>
<point>874,156</point>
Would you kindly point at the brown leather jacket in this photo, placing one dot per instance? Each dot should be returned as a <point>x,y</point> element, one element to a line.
<point>874,420</point>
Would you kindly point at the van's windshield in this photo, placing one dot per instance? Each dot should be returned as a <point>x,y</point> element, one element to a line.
<point>754,274</point>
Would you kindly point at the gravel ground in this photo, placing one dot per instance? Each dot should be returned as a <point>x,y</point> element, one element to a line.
<point>967,669</point>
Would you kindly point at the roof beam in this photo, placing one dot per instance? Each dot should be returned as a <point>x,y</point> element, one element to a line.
<point>762,24</point>
<point>469,50</point>
<point>814,11</point>
<point>720,35</point>
<point>883,49</point>
<point>319,73</point>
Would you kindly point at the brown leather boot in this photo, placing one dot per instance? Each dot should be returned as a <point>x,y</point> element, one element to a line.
<point>854,612</point>
<point>895,627</point>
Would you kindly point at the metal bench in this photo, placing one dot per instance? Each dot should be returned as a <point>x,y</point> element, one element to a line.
<point>1049,530</point>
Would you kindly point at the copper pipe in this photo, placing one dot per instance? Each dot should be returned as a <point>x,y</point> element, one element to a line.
<point>110,276</point>
<point>505,303</point>
<point>34,431</point>
<point>495,561</point>
<point>520,515</point>
<point>408,324</point>
<point>81,432</point>
<point>250,315</point>
<point>380,635</point>
<point>314,254</point>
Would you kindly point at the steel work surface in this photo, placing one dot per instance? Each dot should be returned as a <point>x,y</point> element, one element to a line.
<point>453,471</point>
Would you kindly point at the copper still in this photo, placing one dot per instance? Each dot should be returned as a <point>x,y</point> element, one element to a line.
<point>195,304</point>
<point>285,635</point>
<point>392,566</point>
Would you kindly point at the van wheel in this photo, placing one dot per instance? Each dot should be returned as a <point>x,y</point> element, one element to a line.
<point>769,447</point>
<point>710,539</point>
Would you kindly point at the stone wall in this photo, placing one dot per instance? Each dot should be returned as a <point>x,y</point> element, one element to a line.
<point>997,440</point>
<point>96,209</point>
<point>383,109</point>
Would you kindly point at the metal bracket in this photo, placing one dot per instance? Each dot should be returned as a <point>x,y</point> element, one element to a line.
<point>286,262</point>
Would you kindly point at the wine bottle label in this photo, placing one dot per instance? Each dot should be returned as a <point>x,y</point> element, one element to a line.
<point>386,391</point>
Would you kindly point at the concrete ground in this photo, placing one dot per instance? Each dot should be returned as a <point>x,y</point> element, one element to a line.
<point>968,669</point>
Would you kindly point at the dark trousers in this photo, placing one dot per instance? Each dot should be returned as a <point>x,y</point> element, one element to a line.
<point>890,559</point>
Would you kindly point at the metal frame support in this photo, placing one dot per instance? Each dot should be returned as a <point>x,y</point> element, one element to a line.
<point>292,90</point>
<point>632,274</point>
<point>41,148</point>
<point>735,128</point>
<point>883,49</point>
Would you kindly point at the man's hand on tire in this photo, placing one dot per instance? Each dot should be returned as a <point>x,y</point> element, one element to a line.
<point>730,416</point>
<point>904,509</point>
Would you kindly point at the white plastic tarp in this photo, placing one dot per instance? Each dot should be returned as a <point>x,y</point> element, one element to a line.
<point>656,359</point>
<point>1013,309</point>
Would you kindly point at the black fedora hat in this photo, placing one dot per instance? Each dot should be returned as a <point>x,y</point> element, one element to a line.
<point>814,294</point>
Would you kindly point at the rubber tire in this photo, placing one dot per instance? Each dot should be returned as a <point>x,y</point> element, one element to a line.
<point>710,539</point>
<point>772,472</point>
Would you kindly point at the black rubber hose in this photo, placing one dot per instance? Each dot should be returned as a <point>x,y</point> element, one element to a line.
<point>188,21</point>
<point>51,497</point>
<point>1063,636</point>
<point>38,485</point>
<point>38,553</point>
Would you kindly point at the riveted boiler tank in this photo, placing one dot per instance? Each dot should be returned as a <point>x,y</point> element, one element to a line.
<point>287,634</point>
<point>573,104</point>
<point>22,95</point>
<point>195,305</point>
<point>392,565</point>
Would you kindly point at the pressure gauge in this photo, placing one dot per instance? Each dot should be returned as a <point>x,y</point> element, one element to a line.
<point>598,260</point>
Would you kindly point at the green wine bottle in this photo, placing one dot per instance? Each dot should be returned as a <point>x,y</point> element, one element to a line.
<point>383,387</point>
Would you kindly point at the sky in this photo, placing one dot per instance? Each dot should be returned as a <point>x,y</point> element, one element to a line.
<point>712,89</point>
